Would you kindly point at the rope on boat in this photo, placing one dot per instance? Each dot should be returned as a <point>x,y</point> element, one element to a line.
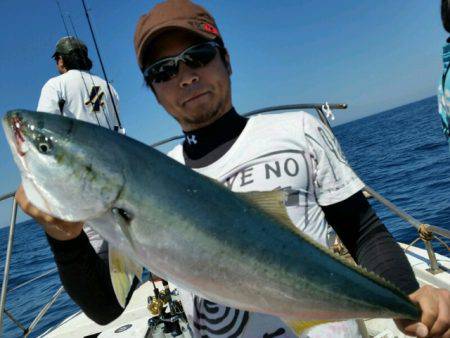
<point>443,243</point>
<point>424,233</point>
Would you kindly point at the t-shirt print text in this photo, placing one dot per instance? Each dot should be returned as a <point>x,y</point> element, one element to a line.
<point>286,169</point>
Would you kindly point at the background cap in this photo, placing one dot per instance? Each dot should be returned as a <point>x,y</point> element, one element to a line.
<point>68,44</point>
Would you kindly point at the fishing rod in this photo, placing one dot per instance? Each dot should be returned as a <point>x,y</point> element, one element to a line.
<point>62,17</point>
<point>92,79</point>
<point>61,101</point>
<point>119,127</point>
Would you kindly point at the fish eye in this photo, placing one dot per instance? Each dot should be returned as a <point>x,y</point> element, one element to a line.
<point>123,214</point>
<point>44,145</point>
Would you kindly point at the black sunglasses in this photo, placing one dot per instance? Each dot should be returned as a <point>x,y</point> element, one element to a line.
<point>194,57</point>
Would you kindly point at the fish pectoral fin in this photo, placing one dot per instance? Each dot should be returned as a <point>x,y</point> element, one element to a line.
<point>122,271</point>
<point>272,202</point>
<point>298,326</point>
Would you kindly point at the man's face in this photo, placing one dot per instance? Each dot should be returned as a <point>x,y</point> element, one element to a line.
<point>194,97</point>
<point>60,65</point>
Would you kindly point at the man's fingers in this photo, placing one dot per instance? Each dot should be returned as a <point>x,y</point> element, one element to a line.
<point>417,329</point>
<point>412,328</point>
<point>54,227</point>
<point>34,212</point>
<point>20,197</point>
<point>48,219</point>
<point>447,334</point>
<point>29,208</point>
<point>25,204</point>
<point>429,304</point>
<point>442,323</point>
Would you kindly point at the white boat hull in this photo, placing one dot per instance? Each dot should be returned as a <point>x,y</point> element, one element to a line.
<point>133,321</point>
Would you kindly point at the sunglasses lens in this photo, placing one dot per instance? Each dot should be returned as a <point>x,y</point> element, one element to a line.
<point>194,57</point>
<point>161,71</point>
<point>199,56</point>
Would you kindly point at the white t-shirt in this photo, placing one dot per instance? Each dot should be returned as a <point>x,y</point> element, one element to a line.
<point>86,97</point>
<point>296,153</point>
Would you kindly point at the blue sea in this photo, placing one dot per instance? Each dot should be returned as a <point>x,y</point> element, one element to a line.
<point>401,153</point>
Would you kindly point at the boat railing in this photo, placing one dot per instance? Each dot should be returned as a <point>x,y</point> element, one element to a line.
<point>426,232</point>
<point>319,107</point>
<point>5,290</point>
<point>324,111</point>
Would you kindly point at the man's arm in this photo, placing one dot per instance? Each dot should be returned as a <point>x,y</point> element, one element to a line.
<point>373,247</point>
<point>84,275</point>
<point>369,242</point>
<point>49,99</point>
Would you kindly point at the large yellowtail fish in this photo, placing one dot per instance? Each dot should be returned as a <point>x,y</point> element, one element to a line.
<point>238,250</point>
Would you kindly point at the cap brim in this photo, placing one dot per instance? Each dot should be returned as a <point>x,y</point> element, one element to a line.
<point>174,24</point>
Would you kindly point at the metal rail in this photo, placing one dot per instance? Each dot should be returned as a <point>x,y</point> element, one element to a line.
<point>5,290</point>
<point>434,266</point>
<point>319,107</point>
<point>49,272</point>
<point>15,321</point>
<point>8,195</point>
<point>316,106</point>
<point>425,230</point>
<point>297,106</point>
<point>12,225</point>
<point>322,115</point>
<point>43,311</point>
<point>403,215</point>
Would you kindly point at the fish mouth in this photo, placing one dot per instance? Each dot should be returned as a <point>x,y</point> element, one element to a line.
<point>19,138</point>
<point>13,125</point>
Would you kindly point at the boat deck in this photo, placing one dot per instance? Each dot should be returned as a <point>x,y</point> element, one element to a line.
<point>133,322</point>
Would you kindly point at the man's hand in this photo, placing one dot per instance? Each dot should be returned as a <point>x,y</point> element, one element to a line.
<point>54,227</point>
<point>435,319</point>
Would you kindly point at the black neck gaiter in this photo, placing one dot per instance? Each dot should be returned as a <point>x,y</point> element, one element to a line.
<point>206,145</point>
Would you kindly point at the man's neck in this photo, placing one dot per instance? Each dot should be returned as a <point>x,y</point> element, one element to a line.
<point>206,145</point>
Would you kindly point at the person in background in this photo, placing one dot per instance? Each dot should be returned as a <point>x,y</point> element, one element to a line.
<point>443,89</point>
<point>75,93</point>
<point>185,63</point>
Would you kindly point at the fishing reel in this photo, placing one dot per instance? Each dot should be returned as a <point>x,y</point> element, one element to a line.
<point>169,318</point>
<point>155,305</point>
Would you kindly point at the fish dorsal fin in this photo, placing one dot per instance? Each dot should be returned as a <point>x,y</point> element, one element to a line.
<point>272,202</point>
<point>122,270</point>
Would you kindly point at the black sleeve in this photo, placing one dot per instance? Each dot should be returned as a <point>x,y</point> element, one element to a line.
<point>369,242</point>
<point>85,277</point>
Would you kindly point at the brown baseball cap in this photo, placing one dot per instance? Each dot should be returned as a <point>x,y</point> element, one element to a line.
<point>171,14</point>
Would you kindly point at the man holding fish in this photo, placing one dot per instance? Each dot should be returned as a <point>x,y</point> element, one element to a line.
<point>185,63</point>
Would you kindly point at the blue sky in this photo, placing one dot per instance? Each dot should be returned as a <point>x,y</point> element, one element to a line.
<point>373,55</point>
